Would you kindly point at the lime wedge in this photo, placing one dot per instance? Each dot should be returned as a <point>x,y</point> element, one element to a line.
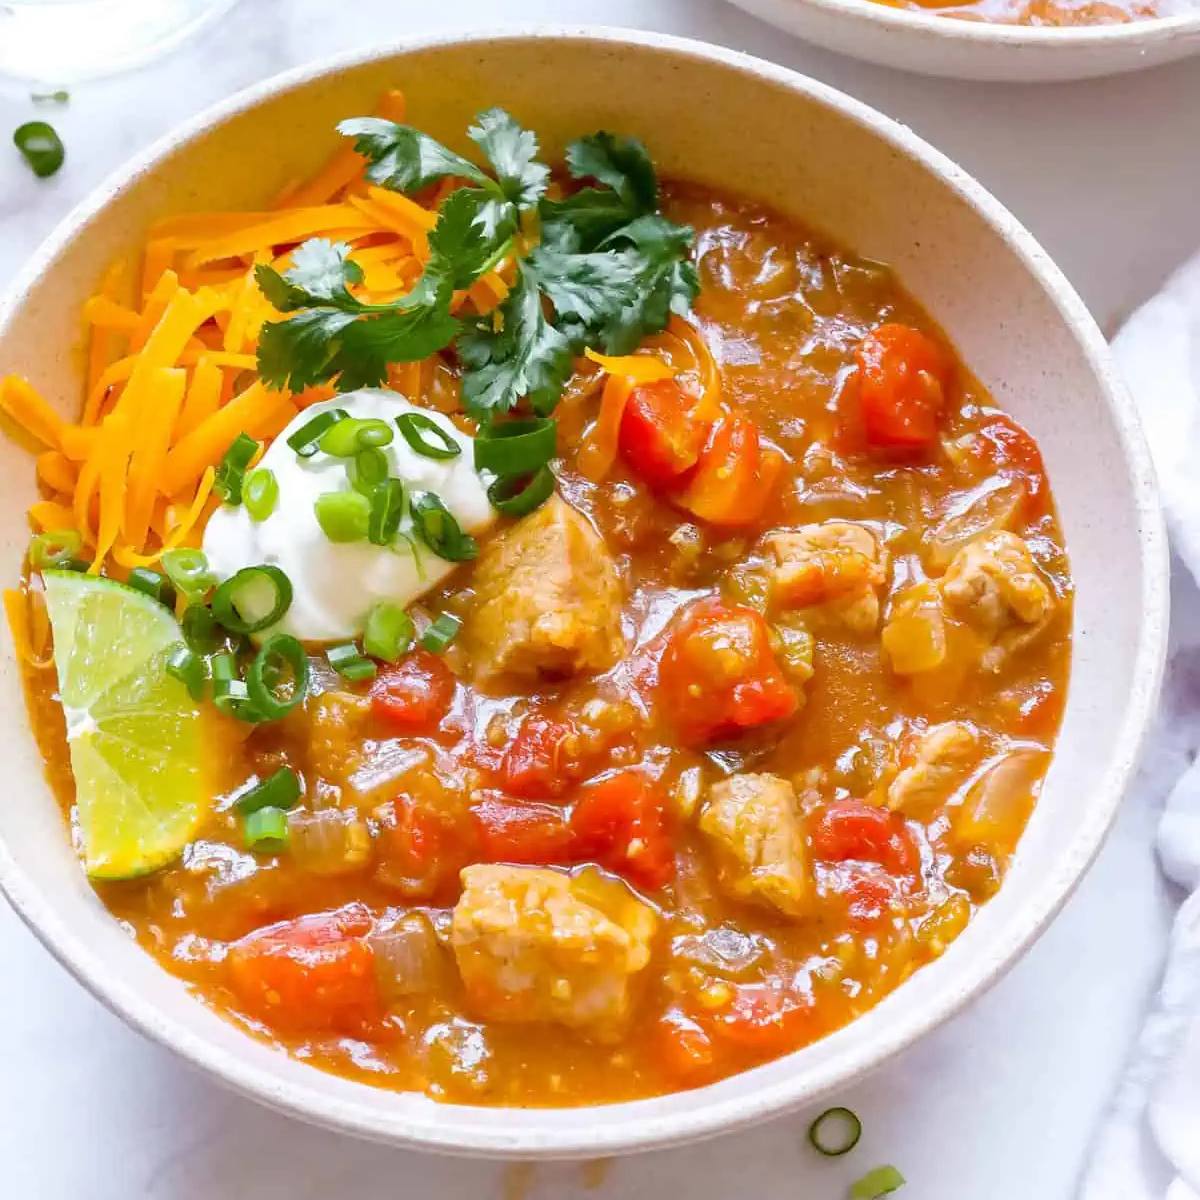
<point>133,730</point>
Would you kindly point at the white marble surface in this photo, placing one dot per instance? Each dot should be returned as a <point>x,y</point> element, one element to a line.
<point>996,1105</point>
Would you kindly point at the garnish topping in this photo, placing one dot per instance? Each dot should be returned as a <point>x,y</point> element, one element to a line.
<point>608,271</point>
<point>41,147</point>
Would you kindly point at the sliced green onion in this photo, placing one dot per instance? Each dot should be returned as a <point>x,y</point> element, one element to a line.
<point>349,436</point>
<point>369,469</point>
<point>347,660</point>
<point>882,1181</point>
<point>188,667</point>
<point>279,790</point>
<point>438,528</point>
<point>260,493</point>
<point>836,1131</point>
<point>387,509</point>
<point>374,432</point>
<point>200,629</point>
<point>189,571</point>
<point>223,667</point>
<point>41,147</point>
<point>231,470</point>
<point>230,694</point>
<point>438,636</point>
<point>414,428</point>
<point>277,679</point>
<point>515,495</point>
<point>388,632</point>
<point>343,516</point>
<point>304,440</point>
<point>266,830</point>
<point>516,447</point>
<point>57,548</point>
<point>253,599</point>
<point>151,583</point>
<point>340,439</point>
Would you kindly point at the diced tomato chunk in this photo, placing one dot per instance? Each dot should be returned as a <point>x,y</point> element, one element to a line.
<point>1011,450</point>
<point>659,437</point>
<point>620,822</point>
<point>735,476</point>
<point>764,1020</point>
<point>421,849</point>
<point>719,676</point>
<point>684,1050</point>
<point>315,972</point>
<point>413,695</point>
<point>519,831</point>
<point>540,761</point>
<point>902,379</point>
<point>854,830</point>
<point>866,891</point>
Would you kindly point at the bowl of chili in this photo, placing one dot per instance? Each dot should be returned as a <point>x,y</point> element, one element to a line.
<point>788,146</point>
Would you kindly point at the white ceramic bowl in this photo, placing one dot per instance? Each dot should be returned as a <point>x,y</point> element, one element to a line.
<point>939,45</point>
<point>730,120</point>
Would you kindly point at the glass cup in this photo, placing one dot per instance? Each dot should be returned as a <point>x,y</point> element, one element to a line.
<point>64,41</point>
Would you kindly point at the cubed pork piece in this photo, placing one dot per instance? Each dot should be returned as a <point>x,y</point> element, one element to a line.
<point>838,566</point>
<point>754,826</point>
<point>940,763</point>
<point>547,599</point>
<point>534,944</point>
<point>993,585</point>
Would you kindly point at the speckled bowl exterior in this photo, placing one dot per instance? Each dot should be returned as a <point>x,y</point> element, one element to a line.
<point>721,118</point>
<point>931,44</point>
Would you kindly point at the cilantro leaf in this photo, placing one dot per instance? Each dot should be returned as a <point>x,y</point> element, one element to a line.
<point>405,159</point>
<point>469,234</point>
<point>620,163</point>
<point>296,353</point>
<point>511,150</point>
<point>365,347</point>
<point>666,280</point>
<point>583,220</point>
<point>626,290</point>
<point>320,272</point>
<point>525,357</point>
<point>334,335</point>
<point>586,290</point>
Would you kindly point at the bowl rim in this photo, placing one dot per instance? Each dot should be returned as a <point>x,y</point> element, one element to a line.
<point>452,1128</point>
<point>1141,33</point>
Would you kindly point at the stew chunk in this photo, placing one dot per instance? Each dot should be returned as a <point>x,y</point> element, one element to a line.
<point>753,823</point>
<point>837,564</point>
<point>991,602</point>
<point>992,582</point>
<point>548,600</point>
<point>939,765</point>
<point>719,675</point>
<point>533,944</point>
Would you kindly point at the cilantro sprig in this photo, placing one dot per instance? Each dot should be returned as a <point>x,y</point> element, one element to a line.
<point>607,270</point>
<point>334,335</point>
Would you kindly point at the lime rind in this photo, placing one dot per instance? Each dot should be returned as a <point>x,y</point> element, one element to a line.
<point>134,731</point>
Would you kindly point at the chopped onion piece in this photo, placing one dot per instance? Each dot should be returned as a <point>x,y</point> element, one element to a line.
<point>409,959</point>
<point>329,841</point>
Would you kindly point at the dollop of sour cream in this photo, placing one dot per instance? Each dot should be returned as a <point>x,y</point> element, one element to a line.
<point>334,584</point>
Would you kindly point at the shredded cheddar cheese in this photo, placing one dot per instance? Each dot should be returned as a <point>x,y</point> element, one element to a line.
<point>170,375</point>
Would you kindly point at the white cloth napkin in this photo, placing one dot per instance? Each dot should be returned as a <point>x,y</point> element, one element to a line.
<point>1148,1146</point>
